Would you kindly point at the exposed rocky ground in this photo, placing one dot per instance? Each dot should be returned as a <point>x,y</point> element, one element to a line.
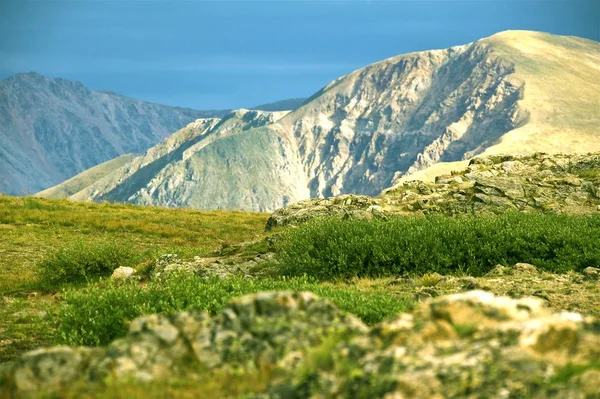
<point>468,344</point>
<point>499,183</point>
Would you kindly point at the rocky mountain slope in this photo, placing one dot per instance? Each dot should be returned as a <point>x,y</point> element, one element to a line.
<point>52,129</point>
<point>199,166</point>
<point>517,92</point>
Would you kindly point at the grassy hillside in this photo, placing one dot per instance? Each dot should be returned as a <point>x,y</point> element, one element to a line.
<point>85,178</point>
<point>373,270</point>
<point>30,227</point>
<point>562,91</point>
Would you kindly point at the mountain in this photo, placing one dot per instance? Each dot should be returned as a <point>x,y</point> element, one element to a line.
<point>517,92</point>
<point>212,163</point>
<point>283,105</point>
<point>85,178</point>
<point>52,129</point>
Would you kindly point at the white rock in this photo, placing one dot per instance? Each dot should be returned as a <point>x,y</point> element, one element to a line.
<point>123,273</point>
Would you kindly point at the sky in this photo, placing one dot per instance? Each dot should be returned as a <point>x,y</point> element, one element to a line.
<point>232,54</point>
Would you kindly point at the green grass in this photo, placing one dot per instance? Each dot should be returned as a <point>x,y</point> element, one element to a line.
<point>84,261</point>
<point>32,229</point>
<point>571,370</point>
<point>99,313</point>
<point>331,249</point>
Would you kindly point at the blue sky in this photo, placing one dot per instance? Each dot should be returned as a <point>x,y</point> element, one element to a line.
<point>231,54</point>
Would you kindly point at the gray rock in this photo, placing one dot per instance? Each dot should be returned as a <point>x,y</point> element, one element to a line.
<point>593,273</point>
<point>524,268</point>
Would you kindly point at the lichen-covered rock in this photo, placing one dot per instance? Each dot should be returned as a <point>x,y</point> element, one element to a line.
<point>343,206</point>
<point>170,264</point>
<point>251,332</point>
<point>472,344</point>
<point>52,368</point>
<point>593,273</point>
<point>499,183</point>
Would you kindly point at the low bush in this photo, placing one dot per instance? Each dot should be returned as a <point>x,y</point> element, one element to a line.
<point>83,261</point>
<point>331,249</point>
<point>99,313</point>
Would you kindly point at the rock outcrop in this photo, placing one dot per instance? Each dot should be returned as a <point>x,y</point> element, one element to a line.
<point>52,129</point>
<point>252,330</point>
<point>494,184</point>
<point>472,344</point>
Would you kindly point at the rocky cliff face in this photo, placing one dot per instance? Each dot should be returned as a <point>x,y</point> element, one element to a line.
<point>52,129</point>
<point>404,114</point>
<point>374,127</point>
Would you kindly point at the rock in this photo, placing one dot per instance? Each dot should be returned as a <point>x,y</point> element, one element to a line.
<point>52,368</point>
<point>251,332</point>
<point>524,268</point>
<point>343,207</point>
<point>162,262</point>
<point>29,314</point>
<point>593,273</point>
<point>498,270</point>
<point>471,344</point>
<point>123,273</point>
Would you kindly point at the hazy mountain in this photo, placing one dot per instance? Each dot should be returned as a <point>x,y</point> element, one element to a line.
<point>52,129</point>
<point>516,92</point>
<point>283,105</point>
<point>85,178</point>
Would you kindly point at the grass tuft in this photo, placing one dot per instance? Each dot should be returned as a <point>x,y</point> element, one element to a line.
<point>82,261</point>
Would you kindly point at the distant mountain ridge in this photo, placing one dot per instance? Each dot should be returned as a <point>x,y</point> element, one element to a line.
<point>283,105</point>
<point>516,92</point>
<point>52,128</point>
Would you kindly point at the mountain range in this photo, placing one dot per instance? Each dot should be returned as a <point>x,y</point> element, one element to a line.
<point>410,116</point>
<point>52,129</point>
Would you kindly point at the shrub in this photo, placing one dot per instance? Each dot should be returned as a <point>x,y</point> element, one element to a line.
<point>82,261</point>
<point>330,249</point>
<point>97,314</point>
